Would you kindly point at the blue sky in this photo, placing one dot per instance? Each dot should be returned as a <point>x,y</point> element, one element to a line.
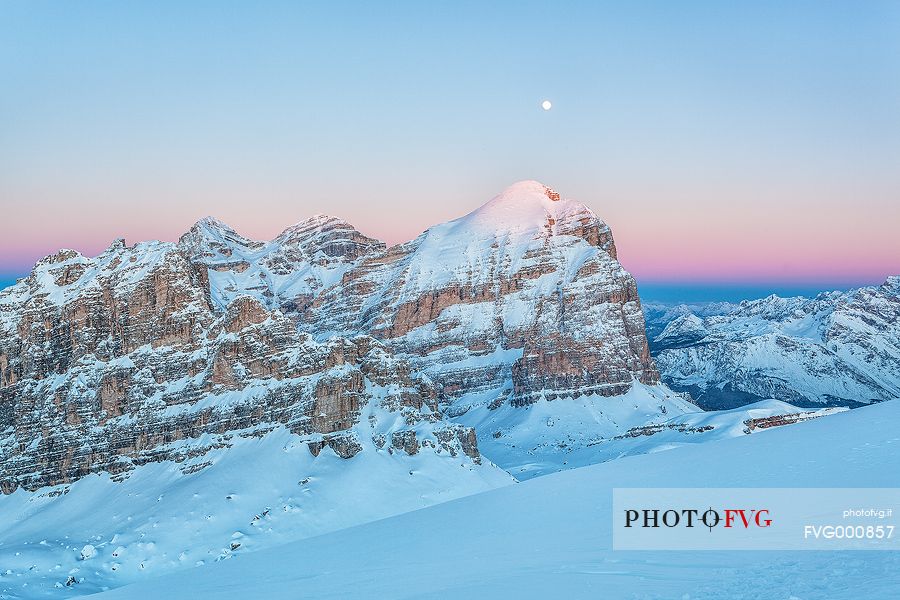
<point>747,143</point>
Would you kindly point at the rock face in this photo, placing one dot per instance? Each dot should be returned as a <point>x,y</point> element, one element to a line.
<point>116,361</point>
<point>840,348</point>
<point>523,298</point>
<point>286,273</point>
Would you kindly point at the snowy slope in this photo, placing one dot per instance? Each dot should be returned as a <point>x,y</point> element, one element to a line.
<point>550,537</point>
<point>256,494</point>
<point>549,436</point>
<point>840,348</point>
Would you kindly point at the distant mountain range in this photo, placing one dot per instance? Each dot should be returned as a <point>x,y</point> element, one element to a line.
<point>837,349</point>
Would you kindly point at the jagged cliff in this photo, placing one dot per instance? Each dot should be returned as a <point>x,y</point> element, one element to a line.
<point>523,296</point>
<point>113,362</point>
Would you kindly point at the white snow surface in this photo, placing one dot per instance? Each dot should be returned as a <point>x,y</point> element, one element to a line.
<point>550,537</point>
<point>550,436</point>
<point>259,493</point>
<point>262,492</point>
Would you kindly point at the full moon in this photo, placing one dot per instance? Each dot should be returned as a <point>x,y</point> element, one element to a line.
<point>546,105</point>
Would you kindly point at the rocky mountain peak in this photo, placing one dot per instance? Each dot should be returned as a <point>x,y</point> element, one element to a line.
<point>519,303</point>
<point>211,228</point>
<point>809,351</point>
<point>892,285</point>
<point>116,245</point>
<point>61,256</point>
<point>211,223</point>
<point>529,188</point>
<point>334,237</point>
<point>209,239</point>
<point>319,222</point>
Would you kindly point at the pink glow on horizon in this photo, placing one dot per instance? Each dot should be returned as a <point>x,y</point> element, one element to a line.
<point>740,259</point>
<point>654,247</point>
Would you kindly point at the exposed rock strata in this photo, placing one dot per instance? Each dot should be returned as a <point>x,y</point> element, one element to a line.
<point>129,363</point>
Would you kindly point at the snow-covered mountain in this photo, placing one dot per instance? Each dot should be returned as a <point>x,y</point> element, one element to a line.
<point>519,303</point>
<point>109,363</point>
<point>552,536</point>
<point>839,348</point>
<point>516,322</point>
<point>253,393</point>
<point>286,273</point>
<point>658,315</point>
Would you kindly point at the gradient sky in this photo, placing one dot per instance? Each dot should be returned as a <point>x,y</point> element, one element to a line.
<point>744,143</point>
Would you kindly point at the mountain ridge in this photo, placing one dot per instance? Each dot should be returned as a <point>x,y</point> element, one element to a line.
<point>837,348</point>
